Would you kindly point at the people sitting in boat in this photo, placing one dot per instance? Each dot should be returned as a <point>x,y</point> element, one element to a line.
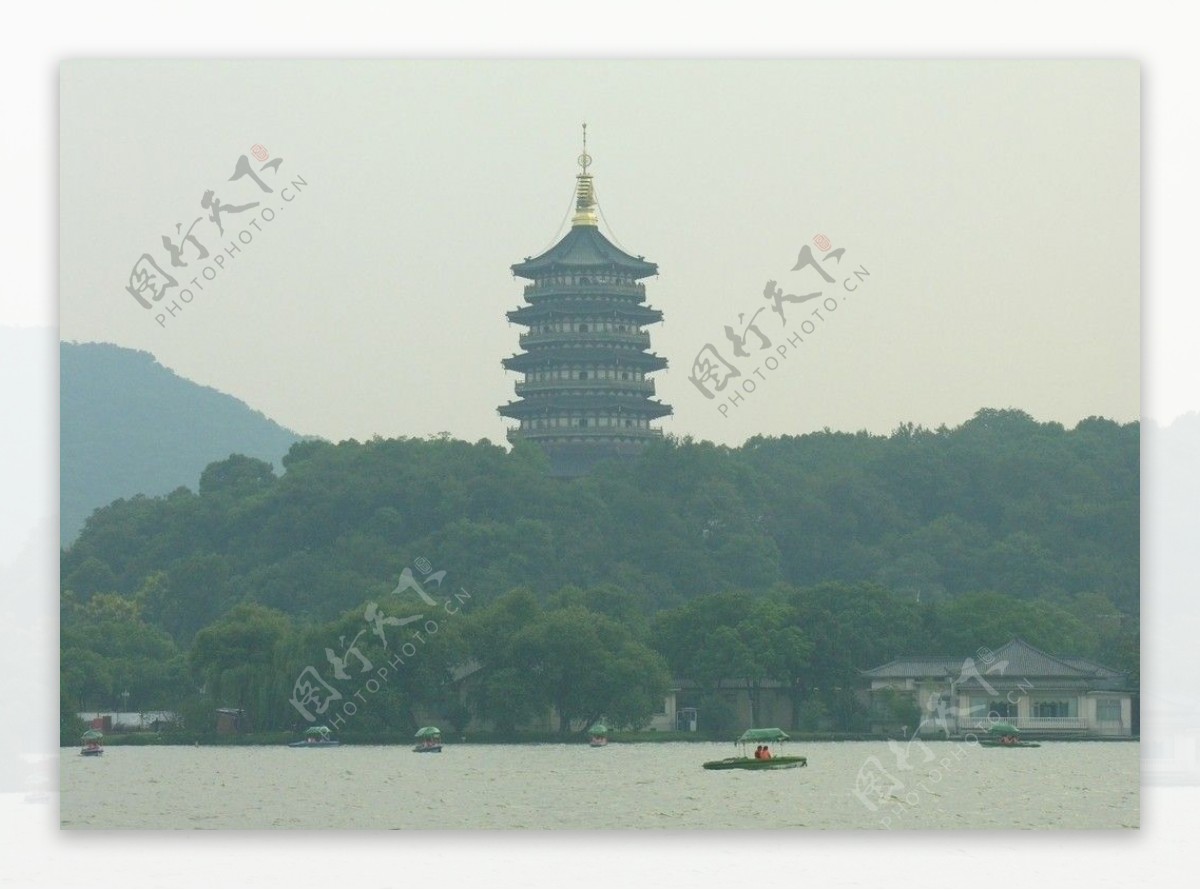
<point>1008,740</point>
<point>758,752</point>
<point>766,753</point>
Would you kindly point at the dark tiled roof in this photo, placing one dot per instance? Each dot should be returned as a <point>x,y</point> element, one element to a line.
<point>1026,661</point>
<point>582,248</point>
<point>1019,658</point>
<point>1098,670</point>
<point>916,666</point>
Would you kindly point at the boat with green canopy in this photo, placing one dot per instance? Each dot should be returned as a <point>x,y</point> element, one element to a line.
<point>93,743</point>
<point>316,737</point>
<point>762,757</point>
<point>1005,735</point>
<point>429,740</point>
<point>599,735</point>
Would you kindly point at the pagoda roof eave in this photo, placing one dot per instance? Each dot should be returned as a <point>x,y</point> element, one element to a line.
<point>634,359</point>
<point>598,307</point>
<point>640,406</point>
<point>583,249</point>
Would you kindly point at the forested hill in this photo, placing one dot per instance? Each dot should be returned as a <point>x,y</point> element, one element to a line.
<point>1000,504</point>
<point>130,426</point>
<point>800,560</point>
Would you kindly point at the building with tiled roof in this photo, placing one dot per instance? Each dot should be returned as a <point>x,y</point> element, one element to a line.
<point>1018,684</point>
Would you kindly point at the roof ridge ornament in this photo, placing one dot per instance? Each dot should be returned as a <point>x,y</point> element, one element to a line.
<point>585,192</point>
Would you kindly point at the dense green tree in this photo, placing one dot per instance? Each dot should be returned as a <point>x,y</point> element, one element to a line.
<point>799,560</point>
<point>992,619</point>
<point>853,627</point>
<point>584,664</point>
<point>237,658</point>
<point>588,666</point>
<point>500,691</point>
<point>737,638</point>
<point>236,475</point>
<point>107,650</point>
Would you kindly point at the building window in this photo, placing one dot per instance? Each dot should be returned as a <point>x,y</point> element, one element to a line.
<point>992,710</point>
<point>1108,710</point>
<point>1055,708</point>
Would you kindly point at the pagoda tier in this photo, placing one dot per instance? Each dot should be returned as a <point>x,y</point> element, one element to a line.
<point>585,362</point>
<point>618,406</point>
<point>585,396</point>
<point>559,288</point>
<point>595,310</point>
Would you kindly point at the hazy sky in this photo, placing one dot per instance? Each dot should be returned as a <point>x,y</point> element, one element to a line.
<point>995,205</point>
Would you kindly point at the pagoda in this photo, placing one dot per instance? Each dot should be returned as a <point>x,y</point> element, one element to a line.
<point>585,395</point>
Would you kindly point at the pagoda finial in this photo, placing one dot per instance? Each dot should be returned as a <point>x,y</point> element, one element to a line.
<point>585,158</point>
<point>585,193</point>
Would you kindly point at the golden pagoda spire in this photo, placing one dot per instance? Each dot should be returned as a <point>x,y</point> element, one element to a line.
<point>585,192</point>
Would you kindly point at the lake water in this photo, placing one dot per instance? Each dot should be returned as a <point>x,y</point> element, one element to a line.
<point>945,785</point>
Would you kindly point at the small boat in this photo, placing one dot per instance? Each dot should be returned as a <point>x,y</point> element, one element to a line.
<point>93,743</point>
<point>599,735</point>
<point>429,740</point>
<point>317,737</point>
<point>1005,735</point>
<point>759,738</point>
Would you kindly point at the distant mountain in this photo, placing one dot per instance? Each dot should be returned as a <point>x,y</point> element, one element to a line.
<point>130,426</point>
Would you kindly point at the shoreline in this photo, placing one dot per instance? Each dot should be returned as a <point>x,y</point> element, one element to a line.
<point>138,739</point>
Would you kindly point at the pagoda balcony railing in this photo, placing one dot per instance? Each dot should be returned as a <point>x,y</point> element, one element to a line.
<point>641,339</point>
<point>576,290</point>
<point>638,387</point>
<point>583,433</point>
